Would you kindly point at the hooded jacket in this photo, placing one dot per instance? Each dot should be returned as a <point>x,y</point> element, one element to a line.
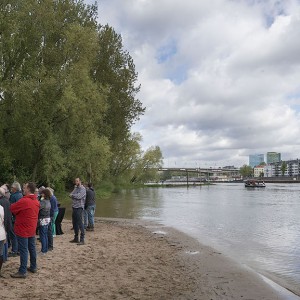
<point>26,211</point>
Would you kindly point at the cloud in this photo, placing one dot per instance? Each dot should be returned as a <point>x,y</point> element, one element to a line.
<point>220,78</point>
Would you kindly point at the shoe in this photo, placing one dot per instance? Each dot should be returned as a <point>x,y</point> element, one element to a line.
<point>31,270</point>
<point>80,243</point>
<point>18,275</point>
<point>74,241</point>
<point>12,254</point>
<point>90,229</point>
<point>42,253</point>
<point>50,249</point>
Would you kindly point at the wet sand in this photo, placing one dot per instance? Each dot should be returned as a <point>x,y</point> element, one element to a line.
<point>125,259</point>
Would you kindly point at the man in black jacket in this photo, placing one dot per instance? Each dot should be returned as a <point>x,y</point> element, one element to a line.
<point>90,206</point>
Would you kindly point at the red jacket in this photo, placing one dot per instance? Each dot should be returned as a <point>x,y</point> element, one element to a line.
<point>26,211</point>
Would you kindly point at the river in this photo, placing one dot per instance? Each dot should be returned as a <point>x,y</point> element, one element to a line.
<point>257,227</point>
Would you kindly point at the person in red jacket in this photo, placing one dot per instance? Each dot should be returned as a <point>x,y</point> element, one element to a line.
<point>26,212</point>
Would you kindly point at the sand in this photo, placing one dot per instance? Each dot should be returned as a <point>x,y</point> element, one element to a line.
<point>125,259</point>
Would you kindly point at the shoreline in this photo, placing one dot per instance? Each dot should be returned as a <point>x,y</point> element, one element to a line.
<point>135,259</point>
<point>281,291</point>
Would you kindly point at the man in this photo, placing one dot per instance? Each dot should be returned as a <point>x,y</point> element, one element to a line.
<point>78,196</point>
<point>16,195</point>
<point>90,206</point>
<point>26,212</point>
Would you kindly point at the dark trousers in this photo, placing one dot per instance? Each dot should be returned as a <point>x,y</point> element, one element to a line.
<point>77,216</point>
<point>50,235</point>
<point>13,240</point>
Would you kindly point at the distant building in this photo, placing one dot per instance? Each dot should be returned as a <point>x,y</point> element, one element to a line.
<point>292,169</point>
<point>259,171</point>
<point>256,159</point>
<point>273,157</point>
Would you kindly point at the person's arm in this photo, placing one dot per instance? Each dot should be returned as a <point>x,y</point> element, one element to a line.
<point>15,208</point>
<point>80,194</point>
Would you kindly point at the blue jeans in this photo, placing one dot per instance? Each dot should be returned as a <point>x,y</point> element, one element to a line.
<point>89,213</point>
<point>27,245</point>
<point>77,216</point>
<point>43,231</point>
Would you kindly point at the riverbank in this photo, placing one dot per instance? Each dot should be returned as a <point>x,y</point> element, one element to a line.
<point>130,259</point>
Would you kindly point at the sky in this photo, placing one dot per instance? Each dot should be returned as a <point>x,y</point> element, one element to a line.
<point>220,79</point>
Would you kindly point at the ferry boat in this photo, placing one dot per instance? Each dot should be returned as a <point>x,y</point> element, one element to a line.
<point>254,184</point>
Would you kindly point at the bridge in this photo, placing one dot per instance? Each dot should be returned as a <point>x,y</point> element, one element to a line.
<point>203,170</point>
<point>208,174</point>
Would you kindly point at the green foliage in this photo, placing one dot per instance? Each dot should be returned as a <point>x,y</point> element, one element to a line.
<point>67,94</point>
<point>283,167</point>
<point>246,171</point>
<point>146,168</point>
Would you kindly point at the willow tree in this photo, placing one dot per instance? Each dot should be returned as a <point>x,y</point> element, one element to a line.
<point>115,71</point>
<point>67,93</point>
<point>50,105</point>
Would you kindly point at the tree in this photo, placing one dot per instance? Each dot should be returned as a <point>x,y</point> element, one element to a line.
<point>50,106</point>
<point>146,168</point>
<point>115,71</point>
<point>246,171</point>
<point>283,167</point>
<point>67,94</point>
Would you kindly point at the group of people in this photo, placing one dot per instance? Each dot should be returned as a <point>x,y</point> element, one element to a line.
<point>20,222</point>
<point>24,213</point>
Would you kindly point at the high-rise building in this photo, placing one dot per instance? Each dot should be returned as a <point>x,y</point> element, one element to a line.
<point>256,159</point>
<point>273,157</point>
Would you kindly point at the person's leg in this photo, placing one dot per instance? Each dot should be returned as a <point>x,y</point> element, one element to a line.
<point>43,230</point>
<point>53,223</point>
<point>5,252</point>
<point>1,257</point>
<point>14,241</point>
<point>1,263</point>
<point>23,248</point>
<point>32,252</point>
<point>85,218</point>
<point>50,236</point>
<point>91,213</point>
<point>75,225</point>
<point>81,225</point>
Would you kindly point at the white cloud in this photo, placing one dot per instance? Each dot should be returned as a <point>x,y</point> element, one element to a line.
<point>220,78</point>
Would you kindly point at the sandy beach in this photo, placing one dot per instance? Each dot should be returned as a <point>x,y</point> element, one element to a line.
<point>125,259</point>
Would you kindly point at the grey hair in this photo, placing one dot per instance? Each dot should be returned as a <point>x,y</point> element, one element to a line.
<point>16,185</point>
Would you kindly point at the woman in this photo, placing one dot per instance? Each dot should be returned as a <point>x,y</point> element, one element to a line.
<point>2,236</point>
<point>53,211</point>
<point>44,219</point>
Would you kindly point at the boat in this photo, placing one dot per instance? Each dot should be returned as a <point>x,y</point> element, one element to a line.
<point>254,184</point>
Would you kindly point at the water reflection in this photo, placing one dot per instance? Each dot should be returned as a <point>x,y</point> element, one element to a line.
<point>131,204</point>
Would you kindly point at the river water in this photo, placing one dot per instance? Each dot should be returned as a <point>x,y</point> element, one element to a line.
<point>257,227</point>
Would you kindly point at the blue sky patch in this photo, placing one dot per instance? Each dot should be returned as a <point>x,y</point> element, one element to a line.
<point>167,51</point>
